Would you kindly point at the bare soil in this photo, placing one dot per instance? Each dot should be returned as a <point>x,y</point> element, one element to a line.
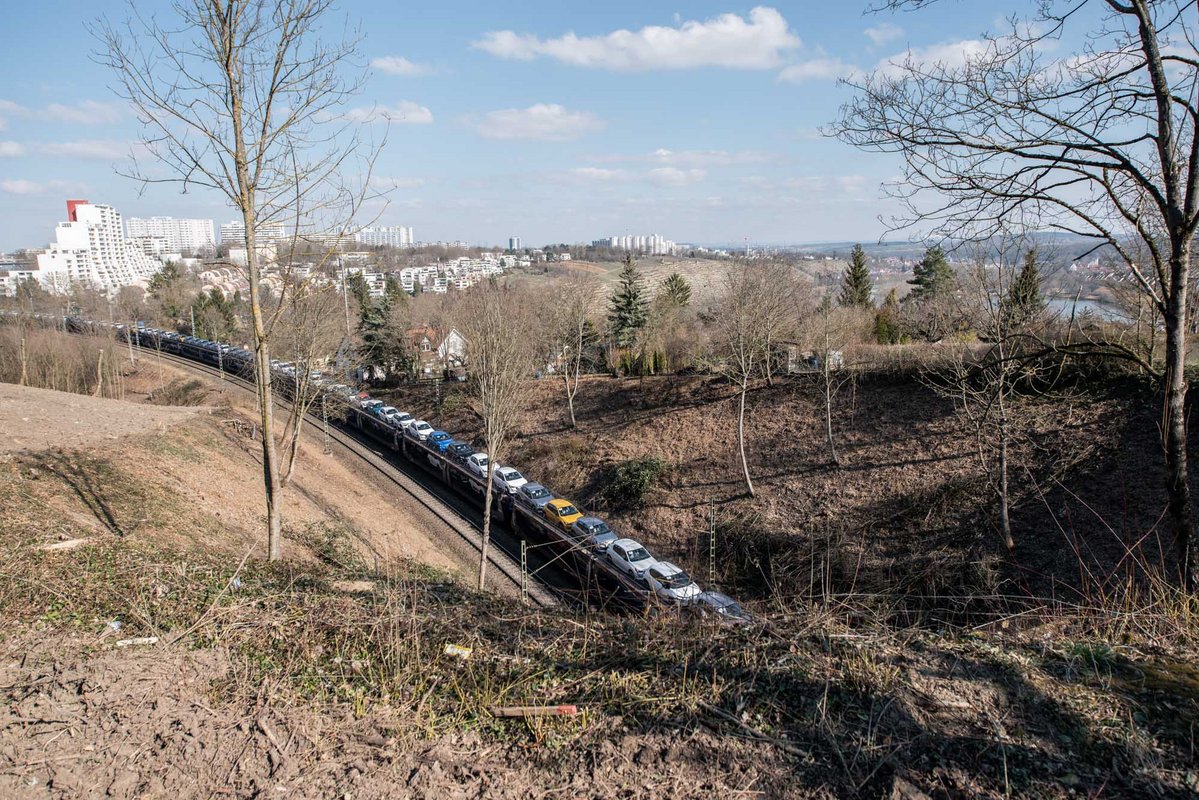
<point>35,419</point>
<point>187,477</point>
<point>95,721</point>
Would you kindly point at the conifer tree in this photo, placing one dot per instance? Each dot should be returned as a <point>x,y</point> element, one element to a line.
<point>677,290</point>
<point>629,308</point>
<point>887,328</point>
<point>932,277</point>
<point>856,286</point>
<point>1024,300</point>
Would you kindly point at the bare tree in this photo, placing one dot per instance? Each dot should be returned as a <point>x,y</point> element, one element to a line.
<point>244,97</point>
<point>827,331</point>
<point>778,306</point>
<point>991,382</point>
<point>1102,142</point>
<point>501,354</point>
<point>742,339</point>
<point>308,334</point>
<point>571,331</point>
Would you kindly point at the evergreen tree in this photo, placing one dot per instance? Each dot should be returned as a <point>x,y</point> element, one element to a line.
<point>677,290</point>
<point>393,291</point>
<point>167,288</point>
<point>933,277</point>
<point>887,329</point>
<point>358,287</point>
<point>1024,301</point>
<point>856,286</point>
<point>629,308</point>
<point>214,316</point>
<point>375,333</point>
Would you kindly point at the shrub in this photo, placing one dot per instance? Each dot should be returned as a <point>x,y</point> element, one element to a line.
<point>630,481</point>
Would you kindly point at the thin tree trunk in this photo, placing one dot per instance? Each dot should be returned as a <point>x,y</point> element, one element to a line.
<point>262,356</point>
<point>570,399</point>
<point>99,375</point>
<point>749,484</point>
<point>767,362</point>
<point>1004,517</point>
<point>1174,427</point>
<point>828,414</point>
<point>24,363</point>
<point>487,497</point>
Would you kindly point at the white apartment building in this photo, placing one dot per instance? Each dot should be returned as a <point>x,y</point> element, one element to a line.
<point>234,233</point>
<point>386,236</point>
<point>90,249</point>
<point>653,244</point>
<point>181,235</point>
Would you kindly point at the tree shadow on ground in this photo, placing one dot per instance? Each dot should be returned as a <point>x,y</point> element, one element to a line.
<point>95,483</point>
<point>961,724</point>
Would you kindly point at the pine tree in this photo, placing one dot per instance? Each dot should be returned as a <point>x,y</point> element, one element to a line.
<point>887,329</point>
<point>375,333</point>
<point>677,290</point>
<point>167,288</point>
<point>856,286</point>
<point>629,307</point>
<point>393,291</point>
<point>932,277</point>
<point>358,287</point>
<point>1024,300</point>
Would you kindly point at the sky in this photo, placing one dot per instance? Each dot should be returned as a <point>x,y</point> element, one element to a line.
<point>560,121</point>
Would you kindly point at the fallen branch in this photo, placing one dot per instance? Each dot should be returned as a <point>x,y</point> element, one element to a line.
<point>534,711</point>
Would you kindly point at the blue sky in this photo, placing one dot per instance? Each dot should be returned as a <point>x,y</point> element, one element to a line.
<point>697,121</point>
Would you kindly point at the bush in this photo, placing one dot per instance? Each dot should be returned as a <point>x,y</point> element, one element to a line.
<point>630,481</point>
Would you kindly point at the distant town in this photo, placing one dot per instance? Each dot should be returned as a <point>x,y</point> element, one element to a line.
<point>96,247</point>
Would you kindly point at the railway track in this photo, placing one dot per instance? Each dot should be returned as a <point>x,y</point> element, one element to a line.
<point>546,589</point>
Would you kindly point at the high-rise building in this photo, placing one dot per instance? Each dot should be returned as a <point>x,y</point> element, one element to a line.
<point>181,235</point>
<point>385,236</point>
<point>90,249</point>
<point>234,233</point>
<point>514,243</point>
<point>652,244</point>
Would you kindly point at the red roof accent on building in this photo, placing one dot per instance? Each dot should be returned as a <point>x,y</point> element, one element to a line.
<point>71,206</point>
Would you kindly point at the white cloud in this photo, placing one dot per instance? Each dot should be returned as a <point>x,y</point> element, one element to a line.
<point>881,34</point>
<point>21,186</point>
<point>87,148</point>
<point>398,65</point>
<point>601,175</point>
<point>11,149</point>
<point>382,183</point>
<point>658,176</point>
<point>88,112</point>
<point>729,41</point>
<point>404,112</point>
<point>951,55</point>
<point>817,69</point>
<point>673,176</point>
<point>545,122</point>
<point>694,158</point>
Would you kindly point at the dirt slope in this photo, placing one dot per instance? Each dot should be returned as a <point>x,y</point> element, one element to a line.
<point>189,477</point>
<point>35,419</point>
